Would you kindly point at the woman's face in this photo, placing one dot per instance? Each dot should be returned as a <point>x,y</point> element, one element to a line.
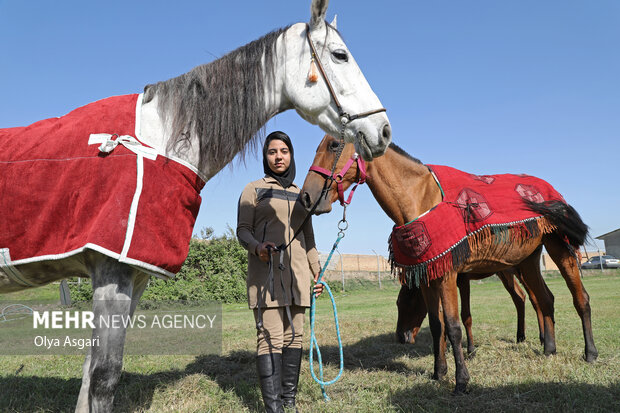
<point>278,156</point>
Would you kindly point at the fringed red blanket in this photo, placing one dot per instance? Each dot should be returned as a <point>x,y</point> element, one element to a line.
<point>474,208</point>
<point>65,190</point>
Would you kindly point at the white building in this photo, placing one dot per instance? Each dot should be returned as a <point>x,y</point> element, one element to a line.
<point>612,242</point>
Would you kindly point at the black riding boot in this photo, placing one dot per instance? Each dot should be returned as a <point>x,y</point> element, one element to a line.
<point>291,362</point>
<point>269,368</point>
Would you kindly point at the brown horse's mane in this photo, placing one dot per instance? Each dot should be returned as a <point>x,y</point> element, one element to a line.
<point>404,153</point>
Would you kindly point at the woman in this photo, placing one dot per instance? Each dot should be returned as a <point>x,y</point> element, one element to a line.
<point>281,266</point>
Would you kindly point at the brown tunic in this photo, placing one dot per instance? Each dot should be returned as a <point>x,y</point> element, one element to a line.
<point>268,212</point>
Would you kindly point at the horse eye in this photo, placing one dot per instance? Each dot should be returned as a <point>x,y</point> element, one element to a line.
<point>340,55</point>
<point>334,146</point>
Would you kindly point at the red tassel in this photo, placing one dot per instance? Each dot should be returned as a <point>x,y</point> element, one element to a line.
<point>313,75</point>
<point>439,267</point>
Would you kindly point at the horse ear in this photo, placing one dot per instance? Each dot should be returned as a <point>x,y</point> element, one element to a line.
<point>334,22</point>
<point>318,9</point>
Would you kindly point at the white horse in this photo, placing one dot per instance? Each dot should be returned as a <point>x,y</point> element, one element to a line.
<point>200,121</point>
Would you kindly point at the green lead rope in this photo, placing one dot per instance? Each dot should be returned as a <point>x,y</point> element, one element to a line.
<point>313,341</point>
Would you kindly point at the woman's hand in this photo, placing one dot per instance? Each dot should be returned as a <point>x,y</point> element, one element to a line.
<point>263,250</point>
<point>318,288</point>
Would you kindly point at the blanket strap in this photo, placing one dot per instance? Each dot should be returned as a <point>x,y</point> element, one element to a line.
<point>7,268</point>
<point>110,141</point>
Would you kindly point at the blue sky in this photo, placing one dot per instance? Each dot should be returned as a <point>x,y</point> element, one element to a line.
<point>486,86</point>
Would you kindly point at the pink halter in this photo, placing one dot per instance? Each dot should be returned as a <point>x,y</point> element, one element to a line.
<point>337,177</point>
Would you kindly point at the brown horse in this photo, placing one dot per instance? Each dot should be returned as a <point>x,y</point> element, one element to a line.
<point>406,189</point>
<point>412,309</point>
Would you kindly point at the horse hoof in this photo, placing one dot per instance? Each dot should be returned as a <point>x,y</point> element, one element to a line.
<point>471,353</point>
<point>591,357</point>
<point>440,374</point>
<point>460,389</point>
<point>521,339</point>
<point>438,377</point>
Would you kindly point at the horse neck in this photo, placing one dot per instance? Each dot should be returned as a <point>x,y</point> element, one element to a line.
<point>404,188</point>
<point>216,111</point>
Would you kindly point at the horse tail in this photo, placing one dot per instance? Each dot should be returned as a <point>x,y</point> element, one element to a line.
<point>565,218</point>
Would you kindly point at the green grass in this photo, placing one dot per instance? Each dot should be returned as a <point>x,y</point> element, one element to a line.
<point>47,293</point>
<point>380,374</point>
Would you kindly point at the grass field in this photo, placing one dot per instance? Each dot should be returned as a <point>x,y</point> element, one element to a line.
<point>380,374</point>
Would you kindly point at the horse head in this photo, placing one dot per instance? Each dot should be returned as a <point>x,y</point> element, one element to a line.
<point>324,84</point>
<point>319,192</point>
<point>411,314</point>
<point>208,115</point>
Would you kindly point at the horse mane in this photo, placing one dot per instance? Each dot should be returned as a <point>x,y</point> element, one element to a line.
<point>221,102</point>
<point>402,152</point>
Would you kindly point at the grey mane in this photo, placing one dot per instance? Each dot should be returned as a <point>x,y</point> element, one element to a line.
<point>222,102</point>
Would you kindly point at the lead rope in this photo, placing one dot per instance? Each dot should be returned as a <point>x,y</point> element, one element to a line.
<point>342,227</point>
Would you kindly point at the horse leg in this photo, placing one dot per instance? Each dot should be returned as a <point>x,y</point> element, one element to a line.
<point>536,306</point>
<point>82,403</point>
<point>530,271</point>
<point>450,303</point>
<point>567,264</point>
<point>140,283</point>
<point>113,284</point>
<point>462,282</point>
<point>436,323</point>
<point>518,298</point>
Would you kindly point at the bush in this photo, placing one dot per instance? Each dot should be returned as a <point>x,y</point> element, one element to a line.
<point>82,291</point>
<point>215,270</point>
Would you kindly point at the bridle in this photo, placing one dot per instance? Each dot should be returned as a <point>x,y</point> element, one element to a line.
<point>344,116</point>
<point>338,177</point>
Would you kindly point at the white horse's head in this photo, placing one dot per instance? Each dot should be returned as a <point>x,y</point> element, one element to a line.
<point>307,83</point>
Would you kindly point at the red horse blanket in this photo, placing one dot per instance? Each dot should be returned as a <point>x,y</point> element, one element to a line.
<point>473,207</point>
<point>61,194</point>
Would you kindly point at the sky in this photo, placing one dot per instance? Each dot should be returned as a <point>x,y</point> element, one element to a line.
<point>485,86</point>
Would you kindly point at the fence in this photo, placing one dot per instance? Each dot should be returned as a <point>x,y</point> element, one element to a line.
<point>353,268</point>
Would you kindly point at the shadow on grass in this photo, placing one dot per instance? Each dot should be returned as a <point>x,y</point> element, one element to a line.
<point>236,373</point>
<point>529,397</point>
<point>38,394</point>
<point>380,352</point>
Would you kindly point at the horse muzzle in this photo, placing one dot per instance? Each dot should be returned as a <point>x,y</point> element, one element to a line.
<point>405,337</point>
<point>307,200</point>
<point>370,150</point>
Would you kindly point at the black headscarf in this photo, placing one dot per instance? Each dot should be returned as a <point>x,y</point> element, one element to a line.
<point>287,177</point>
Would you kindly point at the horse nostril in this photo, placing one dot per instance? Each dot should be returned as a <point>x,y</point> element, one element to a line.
<point>306,200</point>
<point>386,133</point>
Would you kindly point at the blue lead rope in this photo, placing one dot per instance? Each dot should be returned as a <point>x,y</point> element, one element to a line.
<point>313,342</point>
